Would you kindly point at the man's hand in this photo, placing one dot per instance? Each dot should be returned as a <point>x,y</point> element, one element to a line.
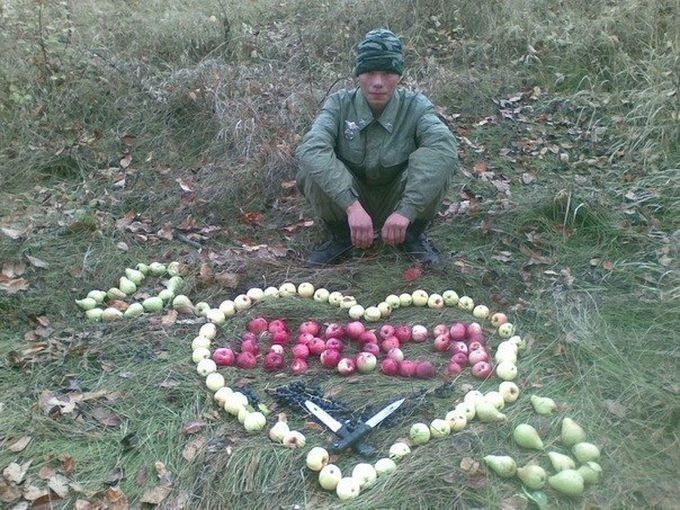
<point>360,225</point>
<point>394,229</point>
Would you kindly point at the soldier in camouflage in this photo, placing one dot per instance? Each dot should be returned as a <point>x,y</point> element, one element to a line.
<point>377,158</point>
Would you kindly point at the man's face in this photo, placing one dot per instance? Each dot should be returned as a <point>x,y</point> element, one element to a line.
<point>378,88</point>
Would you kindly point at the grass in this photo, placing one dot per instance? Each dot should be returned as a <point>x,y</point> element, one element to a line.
<point>579,251</point>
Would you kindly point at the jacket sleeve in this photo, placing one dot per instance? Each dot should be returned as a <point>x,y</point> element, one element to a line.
<point>430,166</point>
<point>316,156</point>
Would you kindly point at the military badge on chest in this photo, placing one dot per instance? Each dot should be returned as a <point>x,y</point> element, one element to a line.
<point>351,129</point>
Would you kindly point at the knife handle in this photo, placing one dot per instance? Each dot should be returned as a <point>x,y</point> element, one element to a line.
<point>351,439</point>
<point>363,449</point>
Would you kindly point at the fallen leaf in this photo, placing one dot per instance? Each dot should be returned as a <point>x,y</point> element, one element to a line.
<point>227,279</point>
<point>32,492</point>
<point>15,472</point>
<point>67,463</point>
<point>469,465</point>
<point>169,318</point>
<point>252,218</point>
<point>164,475</point>
<point>193,427</point>
<point>11,233</point>
<point>14,286</point>
<point>106,417</point>
<point>19,444</point>
<point>480,167</point>
<point>192,448</point>
<point>615,408</point>
<point>528,178</point>
<point>156,495</point>
<point>116,499</point>
<point>608,265</point>
<point>115,476</point>
<point>126,160</point>
<point>13,269</point>
<point>59,484</point>
<point>83,504</point>
<point>8,492</point>
<point>412,273</point>
<point>122,246</point>
<point>36,262</point>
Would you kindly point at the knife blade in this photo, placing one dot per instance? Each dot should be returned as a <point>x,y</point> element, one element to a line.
<point>339,429</point>
<point>364,428</point>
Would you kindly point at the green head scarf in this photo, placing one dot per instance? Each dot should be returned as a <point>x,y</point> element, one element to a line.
<point>380,50</point>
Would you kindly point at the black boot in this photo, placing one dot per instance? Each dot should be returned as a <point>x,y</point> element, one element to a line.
<point>418,246</point>
<point>338,244</point>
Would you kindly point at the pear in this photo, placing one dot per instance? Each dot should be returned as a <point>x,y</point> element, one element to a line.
<point>590,472</point>
<point>532,476</point>
<point>561,462</point>
<point>567,482</point>
<point>87,303</point>
<point>572,432</point>
<point>98,295</point>
<point>134,275</point>
<point>543,405</point>
<point>502,465</point>
<point>127,286</point>
<point>487,412</point>
<point>585,452</point>
<point>134,310</point>
<point>526,436</point>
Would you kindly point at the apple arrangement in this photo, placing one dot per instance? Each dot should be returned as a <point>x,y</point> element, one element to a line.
<point>346,366</point>
<point>365,362</point>
<point>330,358</point>
<point>371,347</point>
<point>316,346</point>
<point>224,357</point>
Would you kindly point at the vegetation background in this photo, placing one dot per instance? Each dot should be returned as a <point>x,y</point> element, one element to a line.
<point>137,131</point>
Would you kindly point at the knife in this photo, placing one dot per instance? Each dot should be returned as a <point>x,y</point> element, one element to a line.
<point>339,429</point>
<point>364,428</point>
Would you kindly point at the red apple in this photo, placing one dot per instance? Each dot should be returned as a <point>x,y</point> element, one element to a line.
<point>452,369</point>
<point>277,324</point>
<point>371,347</point>
<point>346,366</point>
<point>330,358</point>
<point>442,343</point>
<point>474,328</point>
<point>355,329</point>
<point>250,346</point>
<point>424,370</point>
<point>366,362</point>
<point>407,368</point>
<point>475,345</point>
<point>310,327</point>
<point>498,318</point>
<point>482,370</point>
<point>281,336</point>
<point>475,357</point>
<point>396,354</point>
<point>476,337</point>
<point>277,348</point>
<point>300,351</point>
<point>335,343</point>
<point>440,329</point>
<point>419,333</point>
<point>460,358</point>
<point>334,330</point>
<point>298,367</point>
<point>389,343</point>
<point>389,366</point>
<point>257,325</point>
<point>368,336</point>
<point>273,361</point>
<point>386,331</point>
<point>316,346</point>
<point>403,333</point>
<point>246,360</point>
<point>458,331</point>
<point>248,336</point>
<point>459,347</point>
<point>224,357</point>
<point>304,338</point>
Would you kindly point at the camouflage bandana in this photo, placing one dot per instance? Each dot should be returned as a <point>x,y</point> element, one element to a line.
<point>379,51</point>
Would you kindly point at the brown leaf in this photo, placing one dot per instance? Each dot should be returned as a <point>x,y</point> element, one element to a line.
<point>193,427</point>
<point>480,167</point>
<point>83,504</point>
<point>14,286</point>
<point>8,492</point>
<point>67,463</point>
<point>469,465</point>
<point>205,273</point>
<point>126,160</point>
<point>528,178</point>
<point>15,472</point>
<point>616,408</point>
<point>33,492</point>
<point>227,279</point>
<point>12,233</point>
<point>13,269</point>
<point>164,475</point>
<point>122,246</point>
<point>192,448</point>
<point>169,318</point>
<point>608,265</point>
<point>515,502</point>
<point>252,218</point>
<point>156,495</point>
<point>19,445</point>
<point>412,273</point>
<point>106,417</point>
<point>116,499</point>
<point>36,262</point>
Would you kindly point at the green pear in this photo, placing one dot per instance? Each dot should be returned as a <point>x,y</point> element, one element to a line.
<point>590,472</point>
<point>144,269</point>
<point>567,482</point>
<point>487,412</point>
<point>175,283</point>
<point>153,304</point>
<point>134,310</point>
<point>87,303</point>
<point>502,465</point>
<point>526,436</point>
<point>572,432</point>
<point>127,286</point>
<point>532,476</point>
<point>98,295</point>
<point>115,293</point>
<point>585,452</point>
<point>543,405</point>
<point>561,462</point>
<point>135,275</point>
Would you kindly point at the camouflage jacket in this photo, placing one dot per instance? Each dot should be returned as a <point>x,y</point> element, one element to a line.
<point>408,136</point>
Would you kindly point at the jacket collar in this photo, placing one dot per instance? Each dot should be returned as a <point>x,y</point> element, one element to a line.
<point>365,114</point>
